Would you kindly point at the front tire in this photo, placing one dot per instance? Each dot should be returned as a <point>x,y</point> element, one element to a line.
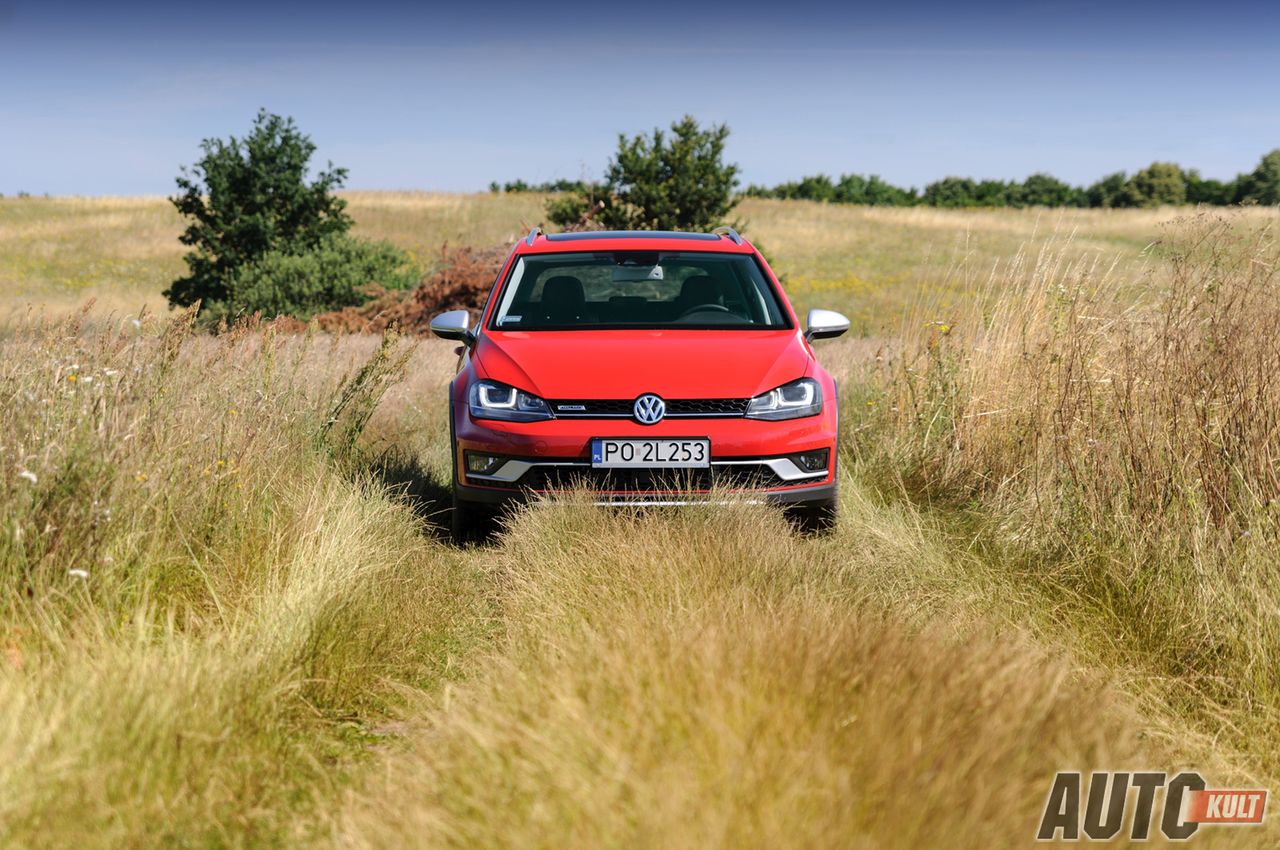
<point>471,522</point>
<point>815,518</point>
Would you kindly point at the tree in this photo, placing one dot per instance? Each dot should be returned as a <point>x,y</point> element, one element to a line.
<point>247,198</point>
<point>656,182</point>
<point>1159,184</point>
<point>1262,186</point>
<point>1202,190</point>
<point>1108,192</point>
<point>1044,190</point>
<point>951,192</point>
<point>883,194</point>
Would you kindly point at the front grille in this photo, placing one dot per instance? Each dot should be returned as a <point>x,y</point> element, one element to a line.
<point>737,476</point>
<point>682,408</point>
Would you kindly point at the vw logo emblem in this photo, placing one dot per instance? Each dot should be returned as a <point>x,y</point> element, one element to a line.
<point>649,409</point>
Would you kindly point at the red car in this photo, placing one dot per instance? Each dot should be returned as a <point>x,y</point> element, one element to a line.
<point>650,366</point>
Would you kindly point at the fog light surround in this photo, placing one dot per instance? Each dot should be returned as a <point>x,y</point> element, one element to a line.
<point>479,463</point>
<point>814,461</point>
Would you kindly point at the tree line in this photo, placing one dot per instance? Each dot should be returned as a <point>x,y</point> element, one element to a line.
<point>1159,184</point>
<point>264,239</point>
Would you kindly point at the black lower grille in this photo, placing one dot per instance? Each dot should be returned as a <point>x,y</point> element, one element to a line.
<point>682,407</point>
<point>738,476</point>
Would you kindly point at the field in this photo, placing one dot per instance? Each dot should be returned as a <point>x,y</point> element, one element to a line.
<point>230,616</point>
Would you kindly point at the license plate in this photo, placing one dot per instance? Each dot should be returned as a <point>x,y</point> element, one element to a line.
<point>657,454</point>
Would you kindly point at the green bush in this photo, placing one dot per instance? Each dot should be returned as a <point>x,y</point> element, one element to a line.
<point>248,198</point>
<point>340,271</point>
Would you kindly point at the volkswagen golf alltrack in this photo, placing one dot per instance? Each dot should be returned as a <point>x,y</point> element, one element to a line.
<point>650,367</point>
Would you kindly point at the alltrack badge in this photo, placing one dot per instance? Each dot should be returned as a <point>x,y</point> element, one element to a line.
<point>649,409</point>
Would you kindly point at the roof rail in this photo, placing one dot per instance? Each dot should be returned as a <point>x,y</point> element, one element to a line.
<point>723,230</point>
<point>533,234</point>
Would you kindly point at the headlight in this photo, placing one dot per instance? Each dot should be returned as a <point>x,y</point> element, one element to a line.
<point>492,400</point>
<point>789,401</point>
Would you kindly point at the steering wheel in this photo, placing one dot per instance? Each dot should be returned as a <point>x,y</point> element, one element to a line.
<point>705,308</point>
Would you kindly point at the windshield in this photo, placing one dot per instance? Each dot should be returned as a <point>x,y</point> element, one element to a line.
<point>638,289</point>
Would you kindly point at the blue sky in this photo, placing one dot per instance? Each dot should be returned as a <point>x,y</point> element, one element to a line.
<point>112,99</point>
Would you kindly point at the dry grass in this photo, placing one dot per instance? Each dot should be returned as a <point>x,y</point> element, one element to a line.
<point>1120,454</point>
<point>229,618</point>
<point>205,602</point>
<point>689,681</point>
<point>873,263</point>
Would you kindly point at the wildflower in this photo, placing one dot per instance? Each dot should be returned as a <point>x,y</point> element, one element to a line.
<point>29,475</point>
<point>72,377</point>
<point>140,476</point>
<point>77,573</point>
<point>221,463</point>
<point>137,323</point>
<point>234,412</point>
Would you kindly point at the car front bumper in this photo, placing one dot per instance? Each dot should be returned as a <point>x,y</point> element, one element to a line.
<point>751,459</point>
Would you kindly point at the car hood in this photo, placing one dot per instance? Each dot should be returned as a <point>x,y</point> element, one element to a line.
<point>622,364</point>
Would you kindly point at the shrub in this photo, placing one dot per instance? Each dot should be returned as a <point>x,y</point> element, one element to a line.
<point>248,198</point>
<point>340,271</point>
<point>658,182</point>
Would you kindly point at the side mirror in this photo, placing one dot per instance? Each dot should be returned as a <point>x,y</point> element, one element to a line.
<point>455,324</point>
<point>825,324</point>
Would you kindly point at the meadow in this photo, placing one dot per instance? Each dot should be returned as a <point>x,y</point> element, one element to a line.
<point>231,617</point>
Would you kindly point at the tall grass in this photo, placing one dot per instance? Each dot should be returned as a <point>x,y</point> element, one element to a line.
<point>226,618</point>
<point>705,679</point>
<point>1121,453</point>
<point>204,611</point>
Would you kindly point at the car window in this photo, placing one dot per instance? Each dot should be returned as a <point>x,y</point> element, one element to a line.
<point>637,289</point>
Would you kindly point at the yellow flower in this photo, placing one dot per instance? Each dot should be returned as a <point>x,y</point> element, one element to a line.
<point>71,377</point>
<point>234,412</point>
<point>140,476</point>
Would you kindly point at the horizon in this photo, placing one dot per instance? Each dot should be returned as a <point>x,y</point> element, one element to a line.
<point>114,101</point>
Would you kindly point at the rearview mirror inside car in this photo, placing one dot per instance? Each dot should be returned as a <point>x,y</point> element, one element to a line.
<point>633,274</point>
